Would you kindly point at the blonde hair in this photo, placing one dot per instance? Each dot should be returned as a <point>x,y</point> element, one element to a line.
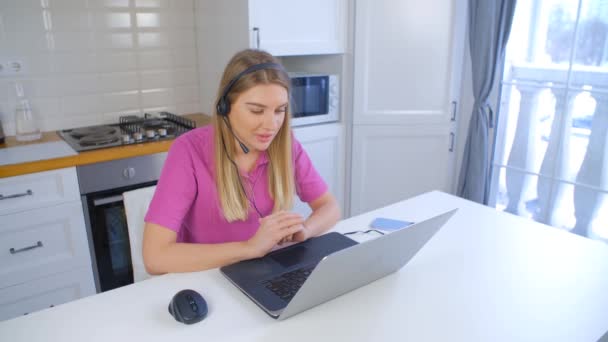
<point>233,200</point>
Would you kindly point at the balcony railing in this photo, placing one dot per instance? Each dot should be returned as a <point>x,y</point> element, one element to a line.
<point>556,168</point>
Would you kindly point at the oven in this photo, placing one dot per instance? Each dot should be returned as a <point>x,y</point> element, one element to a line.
<point>101,187</point>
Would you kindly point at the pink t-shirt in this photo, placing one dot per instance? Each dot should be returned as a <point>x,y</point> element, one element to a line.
<point>186,198</point>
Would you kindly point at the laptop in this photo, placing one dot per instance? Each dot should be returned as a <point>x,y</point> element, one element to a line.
<point>296,278</point>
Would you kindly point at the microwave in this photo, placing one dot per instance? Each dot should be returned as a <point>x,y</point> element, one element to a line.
<point>314,98</point>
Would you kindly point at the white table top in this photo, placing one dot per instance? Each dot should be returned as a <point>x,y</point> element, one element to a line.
<point>486,276</point>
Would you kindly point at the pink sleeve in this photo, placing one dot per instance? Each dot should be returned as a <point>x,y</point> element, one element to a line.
<point>176,188</point>
<point>309,184</point>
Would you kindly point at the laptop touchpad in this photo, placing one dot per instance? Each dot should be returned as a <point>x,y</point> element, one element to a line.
<point>291,256</point>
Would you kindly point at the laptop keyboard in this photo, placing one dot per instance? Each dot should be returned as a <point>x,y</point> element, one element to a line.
<point>287,284</point>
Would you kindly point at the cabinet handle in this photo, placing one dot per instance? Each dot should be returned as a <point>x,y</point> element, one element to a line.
<point>27,193</point>
<point>454,105</point>
<point>15,251</point>
<point>257,37</point>
<point>452,138</point>
<point>107,200</point>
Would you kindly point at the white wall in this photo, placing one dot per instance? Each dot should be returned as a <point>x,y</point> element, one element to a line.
<point>87,62</point>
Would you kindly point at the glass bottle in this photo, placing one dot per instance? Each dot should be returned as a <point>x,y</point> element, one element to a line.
<point>26,126</point>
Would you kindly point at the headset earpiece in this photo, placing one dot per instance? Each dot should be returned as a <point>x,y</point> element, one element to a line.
<point>223,106</point>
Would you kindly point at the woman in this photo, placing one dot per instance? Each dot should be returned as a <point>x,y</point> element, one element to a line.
<point>226,189</point>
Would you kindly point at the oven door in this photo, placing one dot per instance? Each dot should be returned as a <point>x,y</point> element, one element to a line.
<point>110,237</point>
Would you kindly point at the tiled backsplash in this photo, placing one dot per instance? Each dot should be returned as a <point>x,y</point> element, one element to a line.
<point>89,61</point>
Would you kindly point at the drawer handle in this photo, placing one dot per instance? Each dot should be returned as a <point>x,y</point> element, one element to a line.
<point>15,251</point>
<point>27,193</point>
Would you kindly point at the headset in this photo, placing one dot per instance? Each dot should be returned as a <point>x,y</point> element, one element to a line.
<point>223,105</point>
<point>223,108</point>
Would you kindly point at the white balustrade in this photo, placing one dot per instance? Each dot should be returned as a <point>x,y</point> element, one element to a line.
<point>560,160</point>
<point>594,170</point>
<point>522,155</point>
<point>556,158</point>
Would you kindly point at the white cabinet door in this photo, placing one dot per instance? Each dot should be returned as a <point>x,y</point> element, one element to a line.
<point>395,163</point>
<point>325,147</point>
<point>41,242</point>
<point>408,61</point>
<point>298,27</point>
<point>46,292</point>
<point>37,190</point>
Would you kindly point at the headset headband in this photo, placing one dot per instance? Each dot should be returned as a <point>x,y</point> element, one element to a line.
<point>223,106</point>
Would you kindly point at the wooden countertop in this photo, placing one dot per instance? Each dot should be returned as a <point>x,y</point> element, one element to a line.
<point>87,157</point>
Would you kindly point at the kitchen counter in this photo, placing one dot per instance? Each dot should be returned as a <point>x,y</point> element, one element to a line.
<point>31,152</point>
<point>87,157</point>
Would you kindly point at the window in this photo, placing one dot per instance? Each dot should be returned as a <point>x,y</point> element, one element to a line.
<point>551,157</point>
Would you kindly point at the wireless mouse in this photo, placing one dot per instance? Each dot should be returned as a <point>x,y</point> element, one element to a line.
<point>188,307</point>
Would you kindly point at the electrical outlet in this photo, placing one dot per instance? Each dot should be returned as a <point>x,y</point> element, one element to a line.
<point>14,67</point>
<point>10,68</point>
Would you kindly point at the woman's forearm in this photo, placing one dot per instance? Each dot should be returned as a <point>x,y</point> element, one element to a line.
<point>190,257</point>
<point>324,217</point>
<point>163,254</point>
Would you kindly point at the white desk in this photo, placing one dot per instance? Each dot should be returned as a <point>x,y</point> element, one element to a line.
<point>486,276</point>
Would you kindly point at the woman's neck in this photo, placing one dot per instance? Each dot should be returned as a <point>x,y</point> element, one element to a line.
<point>246,161</point>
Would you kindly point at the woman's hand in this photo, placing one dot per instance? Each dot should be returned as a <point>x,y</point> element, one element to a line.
<point>325,214</point>
<point>302,235</point>
<point>273,229</point>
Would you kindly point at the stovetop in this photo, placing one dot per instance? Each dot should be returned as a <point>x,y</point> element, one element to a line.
<point>131,129</point>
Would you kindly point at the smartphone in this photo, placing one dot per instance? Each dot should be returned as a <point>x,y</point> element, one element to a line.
<point>384,223</point>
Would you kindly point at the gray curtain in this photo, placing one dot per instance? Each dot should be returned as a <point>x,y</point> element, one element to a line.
<point>489,27</point>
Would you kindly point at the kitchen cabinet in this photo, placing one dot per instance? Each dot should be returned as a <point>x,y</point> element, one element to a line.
<point>37,190</point>
<point>283,28</point>
<point>43,234</point>
<point>407,81</point>
<point>45,292</point>
<point>325,147</point>
<point>297,27</point>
